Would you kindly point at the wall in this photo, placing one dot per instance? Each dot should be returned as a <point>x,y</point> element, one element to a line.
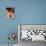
<point>6,25</point>
<point>31,11</point>
<point>27,12</point>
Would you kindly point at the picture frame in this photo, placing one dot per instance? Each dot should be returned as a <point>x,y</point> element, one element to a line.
<point>10,12</point>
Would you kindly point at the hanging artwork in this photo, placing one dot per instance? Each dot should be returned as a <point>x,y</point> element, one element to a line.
<point>11,37</point>
<point>32,32</point>
<point>10,12</point>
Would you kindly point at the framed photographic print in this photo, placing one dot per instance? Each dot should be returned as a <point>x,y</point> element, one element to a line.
<point>32,32</point>
<point>10,12</point>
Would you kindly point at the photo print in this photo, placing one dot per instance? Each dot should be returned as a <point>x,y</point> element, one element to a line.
<point>10,12</point>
